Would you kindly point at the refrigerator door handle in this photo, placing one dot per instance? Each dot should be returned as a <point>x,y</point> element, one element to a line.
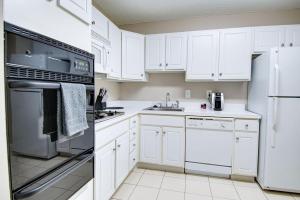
<point>274,120</point>
<point>276,80</point>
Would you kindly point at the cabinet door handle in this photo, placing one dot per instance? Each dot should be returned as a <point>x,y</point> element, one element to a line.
<point>118,145</point>
<point>142,75</point>
<point>157,132</point>
<point>212,74</point>
<point>167,64</point>
<point>237,139</point>
<point>246,126</point>
<point>133,133</point>
<point>133,145</point>
<point>282,45</point>
<point>164,132</point>
<point>291,44</point>
<point>160,64</point>
<point>114,149</point>
<point>220,74</point>
<point>133,159</point>
<point>93,22</point>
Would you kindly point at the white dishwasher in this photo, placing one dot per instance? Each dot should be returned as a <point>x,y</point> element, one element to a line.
<point>209,145</point>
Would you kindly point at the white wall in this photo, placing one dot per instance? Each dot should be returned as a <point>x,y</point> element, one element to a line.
<point>47,18</point>
<point>4,183</point>
<point>112,87</point>
<point>160,84</point>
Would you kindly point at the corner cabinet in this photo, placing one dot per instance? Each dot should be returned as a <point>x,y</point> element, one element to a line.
<point>133,56</point>
<point>245,156</point>
<point>166,52</point>
<point>203,55</point>
<point>235,54</point>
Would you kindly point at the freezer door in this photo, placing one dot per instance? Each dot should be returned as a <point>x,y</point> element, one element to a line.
<point>282,167</point>
<point>284,72</point>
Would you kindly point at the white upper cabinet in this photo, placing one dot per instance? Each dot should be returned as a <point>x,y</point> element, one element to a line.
<point>293,35</point>
<point>150,144</point>
<point>100,23</point>
<point>176,51</point>
<point>115,52</point>
<point>166,52</point>
<point>79,8</point>
<point>235,54</point>
<point>133,56</point>
<point>267,37</point>
<point>203,55</point>
<point>155,52</point>
<point>173,146</point>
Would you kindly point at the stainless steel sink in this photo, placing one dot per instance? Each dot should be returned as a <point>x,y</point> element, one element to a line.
<point>165,109</point>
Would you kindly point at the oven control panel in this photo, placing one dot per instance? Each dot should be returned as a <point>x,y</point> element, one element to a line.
<point>81,65</point>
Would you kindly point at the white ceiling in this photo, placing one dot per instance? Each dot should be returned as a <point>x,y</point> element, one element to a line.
<point>137,11</point>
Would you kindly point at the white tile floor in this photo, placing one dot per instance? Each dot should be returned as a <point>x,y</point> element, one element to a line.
<point>144,184</point>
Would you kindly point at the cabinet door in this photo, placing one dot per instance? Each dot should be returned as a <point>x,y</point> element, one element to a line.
<point>132,56</point>
<point>85,193</point>
<point>115,52</point>
<point>99,23</point>
<point>150,145</point>
<point>203,55</point>
<point>105,172</point>
<point>155,52</point>
<point>173,146</point>
<point>122,158</point>
<point>79,8</point>
<point>267,37</point>
<point>235,54</point>
<point>245,154</point>
<point>100,54</point>
<point>293,35</point>
<point>176,51</point>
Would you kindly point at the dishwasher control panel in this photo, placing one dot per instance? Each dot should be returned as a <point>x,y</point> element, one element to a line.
<point>209,123</point>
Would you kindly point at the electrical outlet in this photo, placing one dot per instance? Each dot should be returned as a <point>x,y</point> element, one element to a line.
<point>208,92</point>
<point>188,94</point>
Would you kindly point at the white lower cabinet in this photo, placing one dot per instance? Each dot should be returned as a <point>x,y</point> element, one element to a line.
<point>245,155</point>
<point>150,144</point>
<point>105,172</point>
<point>173,146</point>
<point>85,193</point>
<point>122,158</point>
<point>161,142</point>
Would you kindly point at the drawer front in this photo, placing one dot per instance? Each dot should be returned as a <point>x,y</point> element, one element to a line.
<point>132,159</point>
<point>246,125</point>
<point>132,145</point>
<point>163,120</point>
<point>106,135</point>
<point>210,123</point>
<point>133,133</point>
<point>134,121</point>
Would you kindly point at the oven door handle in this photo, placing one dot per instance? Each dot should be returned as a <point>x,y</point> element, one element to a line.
<point>38,85</point>
<point>26,194</point>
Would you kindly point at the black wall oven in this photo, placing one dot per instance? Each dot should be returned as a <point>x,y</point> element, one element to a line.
<point>41,166</point>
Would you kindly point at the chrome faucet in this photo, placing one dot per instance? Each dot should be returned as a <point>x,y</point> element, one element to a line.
<point>167,98</point>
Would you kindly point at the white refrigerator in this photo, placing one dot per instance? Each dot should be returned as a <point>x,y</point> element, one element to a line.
<point>274,93</point>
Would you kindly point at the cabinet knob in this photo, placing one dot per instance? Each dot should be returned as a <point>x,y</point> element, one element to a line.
<point>93,22</point>
<point>291,44</point>
<point>133,145</point>
<point>133,159</point>
<point>142,75</point>
<point>164,132</point>
<point>134,122</point>
<point>118,145</point>
<point>282,45</point>
<point>160,64</point>
<point>167,64</point>
<point>133,133</point>
<point>212,74</point>
<point>157,132</point>
<point>114,149</point>
<point>246,126</point>
<point>237,139</point>
<point>220,74</point>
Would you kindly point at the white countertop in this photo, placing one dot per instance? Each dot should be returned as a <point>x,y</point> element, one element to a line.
<point>132,108</point>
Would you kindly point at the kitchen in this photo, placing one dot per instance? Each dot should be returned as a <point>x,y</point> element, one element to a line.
<point>191,102</point>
